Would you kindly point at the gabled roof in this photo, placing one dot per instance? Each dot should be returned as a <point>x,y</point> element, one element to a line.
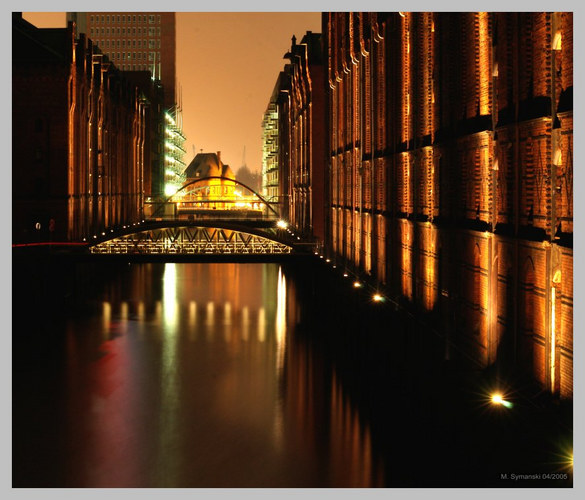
<point>204,165</point>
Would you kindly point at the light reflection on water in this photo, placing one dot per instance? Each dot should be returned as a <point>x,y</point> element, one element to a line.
<point>200,383</point>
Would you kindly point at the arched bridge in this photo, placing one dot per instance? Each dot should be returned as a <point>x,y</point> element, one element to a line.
<point>207,229</point>
<point>203,237</point>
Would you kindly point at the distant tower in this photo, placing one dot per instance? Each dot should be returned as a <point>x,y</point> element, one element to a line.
<point>136,41</point>
<point>244,158</point>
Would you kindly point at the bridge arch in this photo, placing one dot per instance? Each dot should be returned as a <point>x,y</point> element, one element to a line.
<point>220,177</point>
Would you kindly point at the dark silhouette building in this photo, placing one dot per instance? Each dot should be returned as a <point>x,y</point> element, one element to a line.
<point>295,170</point>
<point>86,135</point>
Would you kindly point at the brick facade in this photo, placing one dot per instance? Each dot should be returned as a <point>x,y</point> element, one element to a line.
<point>451,155</point>
<point>297,146</point>
<point>85,136</point>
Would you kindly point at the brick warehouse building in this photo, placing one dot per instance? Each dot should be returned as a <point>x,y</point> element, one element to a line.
<point>145,42</point>
<point>294,136</point>
<point>84,134</point>
<point>450,154</point>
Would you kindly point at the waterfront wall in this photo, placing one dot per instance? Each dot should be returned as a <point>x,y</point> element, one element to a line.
<point>450,162</point>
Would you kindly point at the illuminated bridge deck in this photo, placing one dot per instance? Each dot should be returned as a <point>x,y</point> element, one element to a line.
<point>203,237</point>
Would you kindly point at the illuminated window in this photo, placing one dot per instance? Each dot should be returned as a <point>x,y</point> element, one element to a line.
<point>557,41</point>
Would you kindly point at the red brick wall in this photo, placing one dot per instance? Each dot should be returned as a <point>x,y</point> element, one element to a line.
<point>565,327</point>
<point>461,121</point>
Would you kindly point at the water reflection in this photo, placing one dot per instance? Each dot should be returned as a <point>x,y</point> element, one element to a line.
<point>191,376</point>
<point>170,381</point>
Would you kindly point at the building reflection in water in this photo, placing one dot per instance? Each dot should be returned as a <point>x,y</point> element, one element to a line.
<point>170,394</point>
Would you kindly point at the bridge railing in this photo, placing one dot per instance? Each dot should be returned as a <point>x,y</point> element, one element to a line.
<point>191,240</point>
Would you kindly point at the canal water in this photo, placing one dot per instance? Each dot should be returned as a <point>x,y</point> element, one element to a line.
<point>190,375</point>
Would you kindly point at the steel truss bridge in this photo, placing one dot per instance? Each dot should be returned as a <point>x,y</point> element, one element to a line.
<point>204,232</point>
<point>180,237</point>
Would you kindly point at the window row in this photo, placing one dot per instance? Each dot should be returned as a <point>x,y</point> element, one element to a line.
<point>134,67</point>
<point>117,44</point>
<point>127,56</point>
<point>123,19</point>
<point>152,32</point>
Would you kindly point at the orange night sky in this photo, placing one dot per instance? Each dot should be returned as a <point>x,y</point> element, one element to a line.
<point>227,65</point>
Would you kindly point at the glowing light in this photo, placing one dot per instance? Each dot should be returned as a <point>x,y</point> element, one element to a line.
<point>192,313</point>
<point>170,294</point>
<point>378,298</point>
<point>282,224</point>
<point>261,325</point>
<point>210,319</point>
<point>357,284</point>
<point>557,41</point>
<point>345,275</point>
<point>498,400</point>
<point>169,189</point>
<point>280,320</point>
<point>141,311</point>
